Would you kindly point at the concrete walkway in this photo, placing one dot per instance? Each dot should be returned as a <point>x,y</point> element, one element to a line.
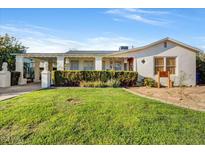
<point>10,92</point>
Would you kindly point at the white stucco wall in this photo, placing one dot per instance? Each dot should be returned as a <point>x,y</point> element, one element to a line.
<point>185,62</point>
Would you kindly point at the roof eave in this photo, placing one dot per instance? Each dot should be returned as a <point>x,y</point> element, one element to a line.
<point>157,42</point>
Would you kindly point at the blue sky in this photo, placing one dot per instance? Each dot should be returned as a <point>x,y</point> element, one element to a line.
<point>58,30</point>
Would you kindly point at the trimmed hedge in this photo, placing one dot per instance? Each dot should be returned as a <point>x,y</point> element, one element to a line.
<point>109,83</point>
<point>73,78</point>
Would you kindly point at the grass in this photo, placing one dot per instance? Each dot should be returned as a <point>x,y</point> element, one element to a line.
<point>96,116</point>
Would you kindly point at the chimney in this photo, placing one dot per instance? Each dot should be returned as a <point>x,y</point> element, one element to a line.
<point>122,48</point>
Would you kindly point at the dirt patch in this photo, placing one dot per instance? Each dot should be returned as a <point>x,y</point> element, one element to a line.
<point>73,101</point>
<point>189,97</point>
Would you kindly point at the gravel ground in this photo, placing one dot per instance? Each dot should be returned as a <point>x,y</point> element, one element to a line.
<point>189,97</point>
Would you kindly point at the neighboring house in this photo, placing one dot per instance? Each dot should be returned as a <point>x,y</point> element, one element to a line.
<point>164,55</point>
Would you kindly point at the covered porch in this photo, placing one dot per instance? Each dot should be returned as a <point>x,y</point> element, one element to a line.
<point>70,62</point>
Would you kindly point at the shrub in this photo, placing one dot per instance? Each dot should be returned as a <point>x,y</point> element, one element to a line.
<point>200,67</point>
<point>74,78</point>
<point>14,78</point>
<point>93,84</point>
<point>86,84</point>
<point>149,82</point>
<point>113,83</point>
<point>109,83</point>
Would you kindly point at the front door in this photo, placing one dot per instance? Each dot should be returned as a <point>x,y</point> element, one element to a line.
<point>130,64</point>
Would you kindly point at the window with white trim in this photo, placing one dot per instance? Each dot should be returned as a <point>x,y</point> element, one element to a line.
<point>88,65</point>
<point>158,64</point>
<point>171,64</point>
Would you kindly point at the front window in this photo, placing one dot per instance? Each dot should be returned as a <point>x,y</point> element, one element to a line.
<point>171,64</point>
<point>159,64</point>
<point>88,65</point>
<point>74,65</point>
<point>118,66</point>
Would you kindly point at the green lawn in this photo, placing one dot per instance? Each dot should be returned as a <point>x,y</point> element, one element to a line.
<point>96,116</point>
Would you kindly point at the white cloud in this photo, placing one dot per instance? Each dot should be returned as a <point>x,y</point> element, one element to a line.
<point>115,11</point>
<point>139,15</point>
<point>130,9</point>
<point>110,43</point>
<point>51,45</point>
<point>150,12</point>
<point>41,40</point>
<point>117,19</point>
<point>24,29</point>
<point>144,20</point>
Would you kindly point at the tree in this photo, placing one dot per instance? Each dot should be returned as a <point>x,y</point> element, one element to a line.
<point>8,46</point>
<point>200,66</point>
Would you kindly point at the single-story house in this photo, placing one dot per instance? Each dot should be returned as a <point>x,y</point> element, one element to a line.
<point>164,55</point>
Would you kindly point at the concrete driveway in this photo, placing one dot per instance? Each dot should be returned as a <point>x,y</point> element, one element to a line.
<point>6,93</point>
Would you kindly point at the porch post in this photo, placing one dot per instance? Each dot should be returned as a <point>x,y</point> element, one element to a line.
<point>98,63</point>
<point>134,64</point>
<point>60,63</point>
<point>125,66</point>
<point>113,64</point>
<point>37,71</point>
<point>20,68</point>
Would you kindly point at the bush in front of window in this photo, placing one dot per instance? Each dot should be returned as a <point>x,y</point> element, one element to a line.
<point>73,78</point>
<point>149,82</point>
<point>113,83</point>
<point>96,84</point>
